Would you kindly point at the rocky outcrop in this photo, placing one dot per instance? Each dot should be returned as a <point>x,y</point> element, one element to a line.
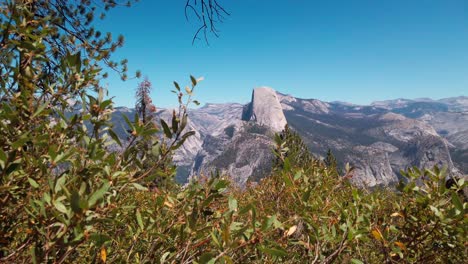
<point>265,109</point>
<point>373,165</point>
<point>378,140</point>
<point>245,155</point>
<point>242,149</point>
<point>448,117</point>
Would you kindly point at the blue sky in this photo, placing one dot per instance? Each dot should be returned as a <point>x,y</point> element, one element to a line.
<point>356,51</point>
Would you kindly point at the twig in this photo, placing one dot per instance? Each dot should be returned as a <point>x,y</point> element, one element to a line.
<point>340,248</point>
<point>17,250</point>
<point>208,12</point>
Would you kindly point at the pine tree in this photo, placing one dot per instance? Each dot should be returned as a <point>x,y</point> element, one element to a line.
<point>149,146</point>
<point>331,163</point>
<point>144,105</point>
<point>291,146</point>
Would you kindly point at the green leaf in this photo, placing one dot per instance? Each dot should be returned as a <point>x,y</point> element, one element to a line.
<point>183,123</point>
<point>148,132</point>
<point>114,137</point>
<point>3,159</point>
<point>268,222</point>
<point>215,239</point>
<point>297,175</point>
<point>139,220</point>
<point>246,209</point>
<point>276,252</point>
<point>177,86</point>
<point>456,201</point>
<point>222,184</point>
<point>32,253</point>
<point>12,167</point>
<point>60,183</point>
<point>277,224</point>
<point>139,187</point>
<point>105,104</point>
<point>232,204</point>
<point>355,195</point>
<point>99,194</point>
<point>356,261</point>
<point>461,182</point>
<point>175,123</point>
<point>206,257</point>
<point>306,195</point>
<point>75,202</point>
<point>26,45</point>
<point>188,134</point>
<point>47,197</point>
<point>130,125</point>
<point>286,165</point>
<point>99,239</point>
<point>74,60</point>
<point>60,157</point>
<point>194,81</point>
<point>286,179</point>
<point>156,149</point>
<point>59,206</point>
<point>40,109</point>
<point>33,183</point>
<point>166,129</point>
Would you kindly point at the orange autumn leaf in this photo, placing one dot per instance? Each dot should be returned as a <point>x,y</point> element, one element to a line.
<point>400,245</point>
<point>168,204</point>
<point>103,254</point>
<point>377,234</point>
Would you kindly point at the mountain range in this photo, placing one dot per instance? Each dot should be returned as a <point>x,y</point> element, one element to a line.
<point>379,139</point>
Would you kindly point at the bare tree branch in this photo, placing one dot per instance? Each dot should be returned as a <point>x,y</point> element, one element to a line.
<point>209,13</point>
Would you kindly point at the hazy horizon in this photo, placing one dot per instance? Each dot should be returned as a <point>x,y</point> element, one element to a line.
<point>309,98</point>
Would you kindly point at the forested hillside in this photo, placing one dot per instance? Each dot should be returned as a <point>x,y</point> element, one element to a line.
<point>67,196</point>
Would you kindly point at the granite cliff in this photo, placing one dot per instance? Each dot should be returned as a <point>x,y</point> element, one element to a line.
<point>265,109</point>
<point>245,149</point>
<point>379,140</point>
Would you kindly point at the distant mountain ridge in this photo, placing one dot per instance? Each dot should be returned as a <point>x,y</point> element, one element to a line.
<point>452,104</point>
<point>378,139</point>
<point>448,116</point>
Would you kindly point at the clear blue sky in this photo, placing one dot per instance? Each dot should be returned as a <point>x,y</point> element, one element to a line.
<point>357,51</point>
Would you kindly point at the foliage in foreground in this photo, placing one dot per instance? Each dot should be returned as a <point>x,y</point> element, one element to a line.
<point>300,214</point>
<point>303,214</point>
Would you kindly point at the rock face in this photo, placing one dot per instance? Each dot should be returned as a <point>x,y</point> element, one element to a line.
<point>242,154</point>
<point>265,109</point>
<point>379,140</point>
<point>373,161</point>
<point>449,118</point>
<point>243,149</point>
<point>208,122</point>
